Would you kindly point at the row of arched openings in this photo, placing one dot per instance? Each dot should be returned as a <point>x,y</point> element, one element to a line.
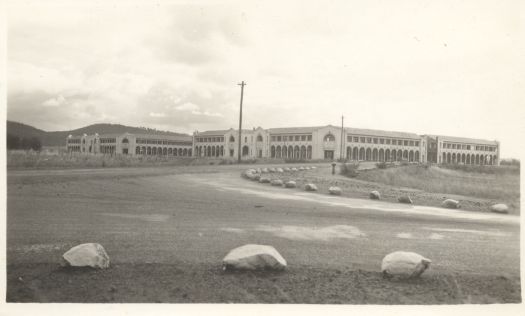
<point>216,151</point>
<point>468,159</point>
<point>162,151</point>
<point>369,154</point>
<point>291,152</point>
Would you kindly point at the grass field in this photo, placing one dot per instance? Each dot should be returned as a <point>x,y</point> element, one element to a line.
<point>476,188</point>
<point>494,183</point>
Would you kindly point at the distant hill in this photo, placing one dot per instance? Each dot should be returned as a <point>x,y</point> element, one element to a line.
<point>58,138</point>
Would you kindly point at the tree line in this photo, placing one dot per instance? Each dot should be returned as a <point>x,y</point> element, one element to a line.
<point>26,143</point>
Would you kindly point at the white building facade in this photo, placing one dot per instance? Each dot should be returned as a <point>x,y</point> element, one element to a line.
<point>297,143</point>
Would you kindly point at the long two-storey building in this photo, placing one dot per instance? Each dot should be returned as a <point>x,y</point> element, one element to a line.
<point>297,143</point>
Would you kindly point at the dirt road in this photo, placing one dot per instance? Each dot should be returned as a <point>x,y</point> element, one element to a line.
<point>166,231</point>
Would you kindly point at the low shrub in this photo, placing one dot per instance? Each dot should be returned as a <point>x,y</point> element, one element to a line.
<point>349,169</point>
<point>382,165</point>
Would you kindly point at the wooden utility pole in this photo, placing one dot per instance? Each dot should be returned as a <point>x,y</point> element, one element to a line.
<point>342,136</point>
<point>242,84</point>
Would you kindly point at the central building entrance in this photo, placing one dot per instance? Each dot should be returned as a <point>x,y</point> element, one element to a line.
<point>329,154</point>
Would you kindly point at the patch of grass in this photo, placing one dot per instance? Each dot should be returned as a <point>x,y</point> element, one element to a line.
<point>495,183</point>
<point>35,160</point>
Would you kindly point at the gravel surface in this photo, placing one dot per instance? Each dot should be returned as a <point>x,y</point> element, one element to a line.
<point>166,232</point>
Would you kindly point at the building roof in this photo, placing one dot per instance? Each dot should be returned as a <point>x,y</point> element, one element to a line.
<point>222,132</point>
<point>180,138</point>
<point>295,130</point>
<point>381,133</point>
<point>216,132</point>
<point>467,140</point>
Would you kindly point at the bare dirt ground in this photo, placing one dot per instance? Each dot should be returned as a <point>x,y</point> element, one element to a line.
<point>166,231</point>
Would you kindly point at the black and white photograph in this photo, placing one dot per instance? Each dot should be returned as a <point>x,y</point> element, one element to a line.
<point>263,154</point>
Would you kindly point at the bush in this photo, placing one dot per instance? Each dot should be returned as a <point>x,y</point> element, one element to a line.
<point>510,162</point>
<point>382,165</point>
<point>349,169</point>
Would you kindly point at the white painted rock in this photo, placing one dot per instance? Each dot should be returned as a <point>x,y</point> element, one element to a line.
<point>335,190</point>
<point>264,170</point>
<point>251,170</point>
<point>301,168</point>
<point>405,199</point>
<point>450,203</point>
<point>264,180</point>
<point>271,169</point>
<point>500,208</point>
<point>87,255</point>
<point>254,257</point>
<point>287,169</point>
<point>290,184</point>
<point>259,170</point>
<point>277,182</point>
<point>306,168</point>
<point>313,167</point>
<point>294,169</point>
<point>407,264</point>
<point>279,170</point>
<point>375,195</point>
<point>248,174</point>
<point>310,187</point>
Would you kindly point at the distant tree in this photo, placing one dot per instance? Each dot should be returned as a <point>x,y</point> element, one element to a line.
<point>510,162</point>
<point>35,143</point>
<point>13,141</point>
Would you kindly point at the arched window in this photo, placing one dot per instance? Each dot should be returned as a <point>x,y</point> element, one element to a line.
<point>329,138</point>
<point>245,150</point>
<point>259,138</point>
<point>232,139</point>
<point>125,141</point>
<point>245,139</point>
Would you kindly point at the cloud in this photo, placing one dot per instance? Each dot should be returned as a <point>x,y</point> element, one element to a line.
<point>177,66</point>
<point>153,114</point>
<point>188,106</point>
<point>54,102</point>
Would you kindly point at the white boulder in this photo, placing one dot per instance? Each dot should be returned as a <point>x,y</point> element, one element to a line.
<point>310,187</point>
<point>313,167</point>
<point>264,170</point>
<point>279,170</point>
<point>264,180</point>
<point>248,174</point>
<point>375,195</point>
<point>500,208</point>
<point>87,255</point>
<point>301,168</point>
<point>286,169</point>
<point>335,190</point>
<point>254,257</point>
<point>405,264</point>
<point>293,169</point>
<point>290,184</point>
<point>277,182</point>
<point>450,203</point>
<point>271,170</point>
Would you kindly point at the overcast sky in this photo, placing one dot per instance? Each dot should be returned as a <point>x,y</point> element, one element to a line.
<point>437,67</point>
